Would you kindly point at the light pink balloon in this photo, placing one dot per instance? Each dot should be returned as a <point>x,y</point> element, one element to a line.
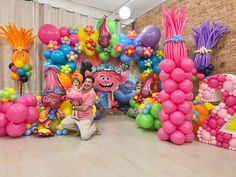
<point>33,114</point>
<point>177,137</point>
<point>168,127</point>
<point>189,138</point>
<point>230,101</point>
<point>185,107</point>
<point>73,39</point>
<point>169,85</point>
<point>164,96</point>
<point>169,106</point>
<point>228,85</point>
<point>15,130</point>
<point>213,83</point>
<point>163,116</point>
<point>189,96</point>
<point>178,75</point>
<point>186,127</point>
<point>164,76</point>
<point>17,113</point>
<point>167,65</point>
<point>64,31</point>
<point>48,32</point>
<point>186,85</point>
<point>177,96</point>
<point>3,120</point>
<point>3,132</point>
<point>187,65</point>
<point>206,94</point>
<point>6,106</point>
<point>163,135</point>
<point>177,118</point>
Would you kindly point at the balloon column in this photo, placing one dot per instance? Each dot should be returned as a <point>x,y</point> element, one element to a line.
<point>176,75</point>
<point>20,40</point>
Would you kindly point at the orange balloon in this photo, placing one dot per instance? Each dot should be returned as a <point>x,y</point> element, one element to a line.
<point>203,113</point>
<point>155,87</point>
<point>65,80</point>
<point>14,76</point>
<point>143,77</point>
<point>155,77</point>
<point>149,100</point>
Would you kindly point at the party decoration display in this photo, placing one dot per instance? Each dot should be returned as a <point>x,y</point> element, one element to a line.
<point>206,38</point>
<point>8,94</point>
<point>176,75</point>
<point>219,127</point>
<point>104,38</point>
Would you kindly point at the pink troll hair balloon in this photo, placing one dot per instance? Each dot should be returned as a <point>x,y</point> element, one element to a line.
<point>104,39</point>
<point>146,90</point>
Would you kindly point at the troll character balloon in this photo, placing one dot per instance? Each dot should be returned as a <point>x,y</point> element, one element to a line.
<point>104,39</point>
<point>107,79</point>
<point>146,90</point>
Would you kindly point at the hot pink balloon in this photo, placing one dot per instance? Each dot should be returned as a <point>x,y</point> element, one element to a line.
<point>3,132</point>
<point>22,100</point>
<point>104,38</point>
<point>164,76</point>
<point>31,99</point>
<point>177,137</point>
<point>213,83</point>
<point>48,32</point>
<point>1,106</point>
<point>163,116</point>
<point>3,120</point>
<point>187,65</point>
<point>168,127</point>
<point>33,114</point>
<point>164,96</point>
<point>177,96</point>
<point>186,127</point>
<point>185,107</point>
<point>189,137</point>
<point>200,76</point>
<point>163,135</point>
<point>186,85</point>
<point>64,31</point>
<point>14,69</point>
<point>169,106</point>
<point>188,76</point>
<point>230,101</point>
<point>15,130</point>
<point>169,85</point>
<point>167,65</point>
<point>189,117</point>
<point>177,118</point>
<point>189,96</point>
<point>178,75</point>
<point>6,106</point>
<point>73,39</point>
<point>17,113</point>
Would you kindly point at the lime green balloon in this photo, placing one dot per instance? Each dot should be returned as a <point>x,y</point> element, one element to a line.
<point>5,94</point>
<point>146,121</point>
<point>99,24</point>
<point>136,105</point>
<point>104,56</point>
<point>114,54</point>
<point>155,110</point>
<point>26,67</point>
<point>29,73</point>
<point>132,103</point>
<point>138,119</point>
<point>114,39</point>
<point>110,24</point>
<point>1,93</point>
<point>157,124</point>
<point>13,97</point>
<point>130,112</point>
<point>98,48</point>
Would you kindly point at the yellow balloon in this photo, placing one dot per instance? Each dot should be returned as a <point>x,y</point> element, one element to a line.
<point>18,63</point>
<point>44,130</point>
<point>89,52</point>
<point>53,125</point>
<point>66,108</point>
<point>82,43</point>
<point>11,91</point>
<point>94,110</point>
<point>81,34</point>
<point>5,100</point>
<point>38,98</point>
<point>28,126</point>
<point>40,126</point>
<point>94,36</point>
<point>60,127</point>
<point>209,106</point>
<point>42,114</point>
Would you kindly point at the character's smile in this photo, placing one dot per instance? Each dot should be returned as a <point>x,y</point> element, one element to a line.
<point>106,85</point>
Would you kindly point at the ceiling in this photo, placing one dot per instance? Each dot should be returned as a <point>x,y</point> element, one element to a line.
<point>98,8</point>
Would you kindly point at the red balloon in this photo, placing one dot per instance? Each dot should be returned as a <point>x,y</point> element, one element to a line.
<point>48,32</point>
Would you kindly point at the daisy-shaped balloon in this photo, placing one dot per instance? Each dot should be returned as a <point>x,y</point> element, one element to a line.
<point>89,29</point>
<point>73,29</point>
<point>131,34</point>
<point>65,40</point>
<point>72,56</point>
<point>118,47</point>
<point>53,45</point>
<point>148,71</point>
<point>66,69</point>
<point>148,62</point>
<point>78,48</point>
<point>147,51</point>
<point>159,54</point>
<point>90,44</point>
<point>129,50</point>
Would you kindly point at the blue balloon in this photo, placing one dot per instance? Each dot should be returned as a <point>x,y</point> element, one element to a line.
<point>156,68</point>
<point>49,61</point>
<point>65,132</point>
<point>65,49</point>
<point>28,132</point>
<point>124,58</point>
<point>135,57</point>
<point>47,54</point>
<point>148,106</point>
<point>154,60</point>
<point>141,65</point>
<point>58,57</point>
<point>126,42</point>
<point>21,72</point>
<point>58,132</point>
<point>34,124</point>
<point>72,65</point>
<point>145,111</point>
<point>122,36</point>
<point>32,129</point>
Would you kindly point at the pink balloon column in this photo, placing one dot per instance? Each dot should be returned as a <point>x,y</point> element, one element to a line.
<point>176,77</point>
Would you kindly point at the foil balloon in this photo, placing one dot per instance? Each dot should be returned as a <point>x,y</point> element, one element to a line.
<point>146,90</point>
<point>104,39</point>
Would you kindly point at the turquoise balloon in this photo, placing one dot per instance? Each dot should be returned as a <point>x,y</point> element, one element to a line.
<point>58,57</point>
<point>114,39</point>
<point>146,121</point>
<point>155,110</point>
<point>132,103</point>
<point>157,124</point>
<point>104,56</point>
<point>65,49</point>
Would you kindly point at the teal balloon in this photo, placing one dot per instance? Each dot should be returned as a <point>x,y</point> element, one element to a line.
<point>155,110</point>
<point>26,67</point>
<point>110,24</point>
<point>131,112</point>
<point>72,65</point>
<point>65,49</point>
<point>132,103</point>
<point>47,54</point>
<point>114,54</point>
<point>141,65</point>
<point>156,68</point>
<point>114,39</point>
<point>21,72</point>
<point>157,124</point>
<point>29,73</point>
<point>146,121</point>
<point>58,57</point>
<point>98,48</point>
<point>104,56</point>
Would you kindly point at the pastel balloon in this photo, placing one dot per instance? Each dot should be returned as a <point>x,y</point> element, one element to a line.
<point>187,65</point>
<point>64,31</point>
<point>186,85</point>
<point>168,127</point>
<point>6,106</point>
<point>167,65</point>
<point>164,76</point>
<point>150,36</point>
<point>48,32</point>
<point>177,96</point>
<point>139,51</point>
<point>177,118</point>
<point>3,132</point>
<point>33,114</point>
<point>169,106</point>
<point>3,120</point>
<point>186,127</point>
<point>15,130</point>
<point>17,113</point>
<point>169,85</point>
<point>185,107</point>
<point>177,137</point>
<point>178,75</point>
<point>228,86</point>
<point>163,135</point>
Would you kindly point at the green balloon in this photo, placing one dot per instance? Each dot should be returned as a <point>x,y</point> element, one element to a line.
<point>138,119</point>
<point>99,24</point>
<point>132,103</point>
<point>146,121</point>
<point>194,78</point>
<point>13,97</point>
<point>155,110</point>
<point>98,48</point>
<point>104,56</point>
<point>1,93</point>
<point>114,54</point>
<point>110,24</point>
<point>29,73</point>
<point>157,124</point>
<point>136,105</point>
<point>26,67</point>
<point>5,94</point>
<point>131,112</point>
<point>114,39</point>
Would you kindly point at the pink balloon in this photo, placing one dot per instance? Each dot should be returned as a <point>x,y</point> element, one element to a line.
<point>177,96</point>
<point>221,78</point>
<point>185,107</point>
<point>73,39</point>
<point>48,32</point>
<point>163,135</point>
<point>186,127</point>
<point>17,113</point>
<point>213,83</point>
<point>3,120</point>
<point>164,96</point>
<point>177,118</point>
<point>64,31</point>
<point>3,132</point>
<point>33,114</point>
<point>230,101</point>
<point>178,75</point>
<point>189,138</point>
<point>14,69</point>
<point>168,127</point>
<point>1,106</point>
<point>189,117</point>
<point>31,99</point>
<point>177,137</point>
<point>200,76</point>
<point>188,76</point>
<point>169,106</point>
<point>15,130</point>
<point>164,76</point>
<point>228,85</point>
<point>169,85</point>
<point>167,65</point>
<point>187,65</point>
<point>22,100</point>
<point>6,106</point>
<point>206,94</point>
<point>163,116</point>
<point>189,96</point>
<point>186,85</point>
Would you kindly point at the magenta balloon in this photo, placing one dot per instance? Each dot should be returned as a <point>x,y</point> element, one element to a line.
<point>139,51</point>
<point>31,100</point>
<point>189,96</point>
<point>187,65</point>
<point>178,75</point>
<point>73,39</point>
<point>213,83</point>
<point>22,100</point>
<point>164,76</point>
<point>163,135</point>
<point>14,69</point>
<point>3,120</point>
<point>186,85</point>
<point>6,106</point>
<point>167,65</point>
<point>177,137</point>
<point>189,137</point>
<point>15,130</point>
<point>168,127</point>
<point>177,96</point>
<point>185,107</point>
<point>150,36</point>
<point>164,96</point>
<point>17,113</point>
<point>230,101</point>
<point>177,118</point>
<point>64,31</point>
<point>48,32</point>
<point>163,116</point>
<point>3,132</point>
<point>188,76</point>
<point>33,114</point>
<point>169,106</point>
<point>169,85</point>
<point>186,127</point>
<point>189,116</point>
<point>1,106</point>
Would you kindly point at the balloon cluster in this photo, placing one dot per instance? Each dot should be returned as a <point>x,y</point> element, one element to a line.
<point>7,94</point>
<point>30,128</point>
<point>20,71</point>
<point>14,115</point>
<point>60,130</point>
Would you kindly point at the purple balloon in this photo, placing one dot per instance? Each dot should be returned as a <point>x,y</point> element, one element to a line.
<point>150,36</point>
<point>139,51</point>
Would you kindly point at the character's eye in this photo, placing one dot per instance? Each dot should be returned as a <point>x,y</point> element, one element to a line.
<point>108,78</point>
<point>102,78</point>
<point>49,99</point>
